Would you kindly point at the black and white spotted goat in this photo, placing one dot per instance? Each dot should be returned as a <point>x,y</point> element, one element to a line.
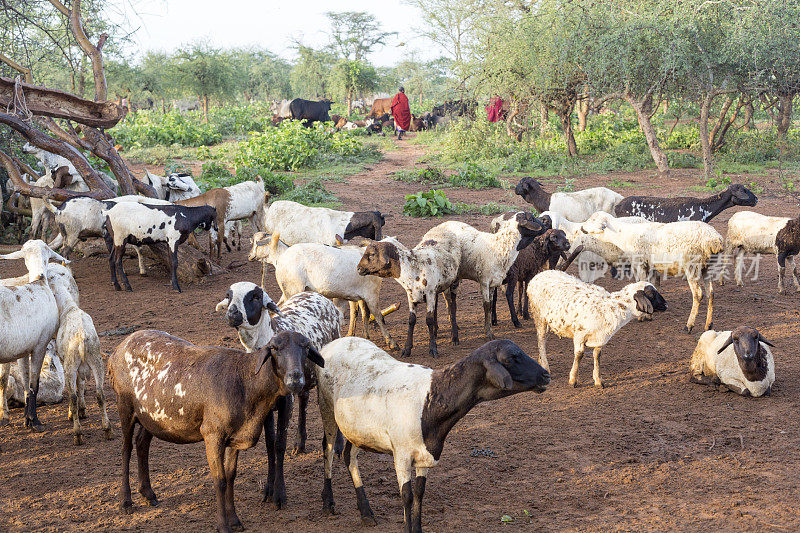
<point>658,209</point>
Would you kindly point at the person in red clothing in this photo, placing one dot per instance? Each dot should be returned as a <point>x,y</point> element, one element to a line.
<point>401,113</point>
<point>494,111</point>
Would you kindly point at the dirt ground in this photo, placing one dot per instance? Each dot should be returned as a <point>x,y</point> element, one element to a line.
<point>649,452</point>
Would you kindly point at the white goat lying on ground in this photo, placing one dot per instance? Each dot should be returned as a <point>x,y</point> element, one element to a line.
<point>739,359</point>
<point>51,380</point>
<point>586,313</point>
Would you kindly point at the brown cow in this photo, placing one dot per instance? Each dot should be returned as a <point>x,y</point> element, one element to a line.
<point>381,106</point>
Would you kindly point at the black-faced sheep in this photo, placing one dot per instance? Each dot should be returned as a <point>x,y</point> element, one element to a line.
<point>575,206</point>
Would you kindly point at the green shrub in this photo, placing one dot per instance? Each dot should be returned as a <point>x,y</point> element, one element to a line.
<point>214,174</point>
<point>474,176</point>
<point>274,183</point>
<point>151,128</point>
<point>176,167</point>
<point>422,175</point>
<point>683,160</point>
<point>312,193</point>
<point>433,203</point>
<point>718,181</point>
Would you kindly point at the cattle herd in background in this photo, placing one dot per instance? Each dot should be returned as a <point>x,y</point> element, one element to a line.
<point>182,393</point>
<point>377,118</point>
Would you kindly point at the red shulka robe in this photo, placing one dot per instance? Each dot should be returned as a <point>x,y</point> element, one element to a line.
<point>401,112</point>
<point>494,111</point>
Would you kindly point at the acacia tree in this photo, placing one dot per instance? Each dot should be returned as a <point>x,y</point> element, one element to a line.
<point>309,75</point>
<point>355,34</point>
<point>207,72</point>
<point>353,77</point>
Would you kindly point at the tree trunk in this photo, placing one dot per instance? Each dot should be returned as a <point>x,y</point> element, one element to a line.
<point>705,141</point>
<point>204,105</point>
<point>583,112</point>
<point>349,104</point>
<point>643,109</point>
<point>192,264</point>
<point>565,116</point>
<point>784,121</point>
<point>544,120</point>
<point>749,112</point>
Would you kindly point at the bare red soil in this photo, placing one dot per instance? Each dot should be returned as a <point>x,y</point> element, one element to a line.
<point>649,452</point>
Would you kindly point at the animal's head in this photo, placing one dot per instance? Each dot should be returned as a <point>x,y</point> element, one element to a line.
<point>741,195</point>
<point>380,258</point>
<point>529,227</point>
<point>556,240</point>
<point>265,247</point>
<point>180,181</point>
<point>533,193</point>
<point>328,103</point>
<point>208,218</point>
<point>245,301</point>
<point>508,370</point>
<point>287,351</point>
<point>646,298</point>
<point>745,343</point>
<point>36,255</point>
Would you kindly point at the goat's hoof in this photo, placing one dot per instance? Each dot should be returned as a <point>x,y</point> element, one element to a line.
<point>117,288</point>
<point>266,494</point>
<point>517,324</point>
<point>456,341</point>
<point>434,353</point>
<point>329,509</point>
<point>299,449</point>
<point>126,507</point>
<point>236,525</point>
<point>5,421</point>
<point>574,384</point>
<point>709,326</point>
<point>368,520</point>
<point>143,274</point>
<point>494,322</point>
<point>128,288</point>
<point>35,426</point>
<point>77,440</point>
<point>405,353</point>
<point>279,503</point>
<point>152,502</point>
<point>688,329</point>
<point>600,384</point>
<point>81,413</point>
<point>108,434</point>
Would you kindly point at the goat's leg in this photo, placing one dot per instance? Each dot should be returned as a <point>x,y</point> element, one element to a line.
<point>362,307</point>
<point>112,265</point>
<point>231,462</point>
<point>373,306</point>
<point>140,258</point>
<point>120,250</point>
<point>173,266</point>
<point>523,293</point>
<point>330,430</point>
<point>710,308</point>
<point>781,258</point>
<point>215,454</point>
<point>430,321</point>
<point>494,306</point>
<point>5,417</point>
<point>269,440</point>
<point>412,320</point>
<point>126,422</point>
<point>263,273</point>
<point>71,382</point>
<point>450,298</point>
<point>487,312</point>
<point>351,460</point>
<point>573,374</point>
<point>300,438</point>
<point>81,396</point>
<point>697,295</point>
<point>351,325</point>
<point>143,439</point>
<point>402,467</point>
<point>220,236</point>
<point>794,275</point>
<point>510,299</point>
<point>596,371</point>
<point>541,333</point>
<point>738,266</point>
<point>284,407</point>
<point>416,506</point>
<point>37,359</point>
<point>98,369</point>
<point>436,316</point>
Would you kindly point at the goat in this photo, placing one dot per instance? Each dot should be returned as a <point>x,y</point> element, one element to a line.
<point>576,206</point>
<point>298,223</point>
<point>659,209</point>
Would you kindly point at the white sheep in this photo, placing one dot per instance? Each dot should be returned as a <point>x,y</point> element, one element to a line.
<point>405,410</point>
<point>486,257</point>
<point>30,321</point>
<point>79,347</point>
<point>576,206</point>
<point>688,248</point>
<point>331,271</point>
<point>739,359</point>
<point>298,223</point>
<point>752,233</point>
<point>586,313</point>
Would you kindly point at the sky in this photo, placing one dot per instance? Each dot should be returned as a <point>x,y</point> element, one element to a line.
<point>167,24</point>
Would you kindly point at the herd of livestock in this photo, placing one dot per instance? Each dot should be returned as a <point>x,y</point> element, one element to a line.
<point>183,393</point>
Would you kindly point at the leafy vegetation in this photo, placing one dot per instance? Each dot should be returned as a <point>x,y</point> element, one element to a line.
<point>474,176</point>
<point>433,203</point>
<point>312,193</point>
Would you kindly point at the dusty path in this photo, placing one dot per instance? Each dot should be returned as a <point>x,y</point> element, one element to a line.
<point>649,452</point>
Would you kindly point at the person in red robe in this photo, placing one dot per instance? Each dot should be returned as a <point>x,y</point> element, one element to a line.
<point>401,113</point>
<point>494,111</point>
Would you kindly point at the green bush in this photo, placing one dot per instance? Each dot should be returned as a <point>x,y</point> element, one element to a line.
<point>214,174</point>
<point>422,175</point>
<point>433,203</point>
<point>683,160</point>
<point>175,167</point>
<point>151,128</point>
<point>312,193</point>
<point>474,176</point>
<point>292,146</point>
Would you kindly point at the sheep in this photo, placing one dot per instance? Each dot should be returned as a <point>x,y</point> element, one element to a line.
<point>56,274</point>
<point>30,321</point>
<point>423,272</point>
<point>298,223</point>
<point>486,257</point>
<point>386,406</point>
<point>328,270</point>
<point>587,313</point>
<point>575,206</point>
<point>740,360</point>
<point>750,232</point>
<point>659,209</point>
<point>79,346</point>
<point>543,252</point>
<point>176,186</point>
<point>51,381</point>
<point>184,393</point>
<point>138,224</point>
<point>75,181</point>
<point>787,245</point>
<point>244,200</point>
<point>688,248</point>
<point>308,313</point>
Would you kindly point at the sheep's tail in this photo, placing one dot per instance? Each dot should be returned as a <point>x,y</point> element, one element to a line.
<point>80,340</point>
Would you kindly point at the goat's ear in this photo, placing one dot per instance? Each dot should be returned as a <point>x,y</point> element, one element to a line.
<point>765,341</point>
<point>643,303</point>
<point>315,357</point>
<point>59,258</point>
<point>498,375</point>
<point>339,240</point>
<point>13,255</point>
<point>223,305</point>
<point>727,343</point>
<point>264,357</point>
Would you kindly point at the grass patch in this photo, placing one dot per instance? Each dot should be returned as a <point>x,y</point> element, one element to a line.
<point>491,208</point>
<point>617,183</point>
<point>431,175</point>
<point>312,194</point>
<point>474,176</point>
